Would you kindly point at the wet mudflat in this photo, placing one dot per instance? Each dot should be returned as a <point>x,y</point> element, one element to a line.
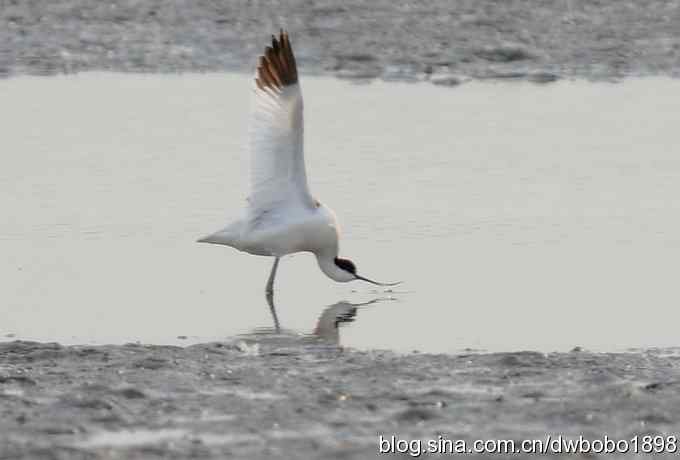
<point>441,41</point>
<point>280,397</point>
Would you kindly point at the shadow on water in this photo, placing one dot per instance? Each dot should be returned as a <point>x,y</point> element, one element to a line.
<point>326,331</point>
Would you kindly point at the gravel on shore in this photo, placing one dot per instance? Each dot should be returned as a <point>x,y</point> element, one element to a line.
<point>441,41</point>
<point>264,399</point>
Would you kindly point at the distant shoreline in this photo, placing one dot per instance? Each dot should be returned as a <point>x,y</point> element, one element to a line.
<point>440,41</point>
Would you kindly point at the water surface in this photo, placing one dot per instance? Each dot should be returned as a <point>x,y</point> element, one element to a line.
<point>519,216</point>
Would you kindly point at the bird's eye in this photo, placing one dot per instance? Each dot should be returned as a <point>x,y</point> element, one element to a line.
<point>346,264</point>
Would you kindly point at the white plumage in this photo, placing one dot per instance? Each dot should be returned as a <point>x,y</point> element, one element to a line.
<point>282,217</point>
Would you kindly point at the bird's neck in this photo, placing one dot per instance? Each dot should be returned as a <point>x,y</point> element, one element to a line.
<point>327,265</point>
<point>326,261</point>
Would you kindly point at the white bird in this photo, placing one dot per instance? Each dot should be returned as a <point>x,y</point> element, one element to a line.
<point>281,216</point>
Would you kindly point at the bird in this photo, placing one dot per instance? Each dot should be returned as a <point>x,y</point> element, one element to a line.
<point>281,216</point>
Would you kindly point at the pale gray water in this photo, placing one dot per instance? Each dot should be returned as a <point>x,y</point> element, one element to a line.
<point>519,216</point>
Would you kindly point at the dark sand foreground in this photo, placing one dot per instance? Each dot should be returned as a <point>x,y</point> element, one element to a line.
<point>284,399</point>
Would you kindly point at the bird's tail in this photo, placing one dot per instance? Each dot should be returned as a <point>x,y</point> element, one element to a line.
<point>212,238</point>
<point>228,236</point>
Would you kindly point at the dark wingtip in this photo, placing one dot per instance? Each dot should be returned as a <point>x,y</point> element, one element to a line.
<point>277,67</point>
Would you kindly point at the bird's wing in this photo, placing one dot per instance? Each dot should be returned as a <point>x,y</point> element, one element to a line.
<point>277,164</point>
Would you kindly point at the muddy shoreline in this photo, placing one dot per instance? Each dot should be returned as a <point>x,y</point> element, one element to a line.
<point>440,41</point>
<point>276,398</point>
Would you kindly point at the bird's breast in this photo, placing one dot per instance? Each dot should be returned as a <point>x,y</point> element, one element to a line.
<point>297,231</point>
<point>318,232</point>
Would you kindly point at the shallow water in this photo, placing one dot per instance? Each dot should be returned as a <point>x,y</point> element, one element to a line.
<point>519,216</point>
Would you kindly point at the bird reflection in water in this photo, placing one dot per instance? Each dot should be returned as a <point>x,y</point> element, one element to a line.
<point>327,329</point>
<point>332,317</point>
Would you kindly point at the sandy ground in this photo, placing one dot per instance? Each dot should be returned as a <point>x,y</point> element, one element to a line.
<point>443,41</point>
<point>283,398</point>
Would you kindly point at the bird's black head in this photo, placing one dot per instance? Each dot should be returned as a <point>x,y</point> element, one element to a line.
<point>346,264</point>
<point>348,267</point>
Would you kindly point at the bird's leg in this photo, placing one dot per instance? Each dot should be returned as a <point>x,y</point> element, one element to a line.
<point>270,283</point>
<point>272,309</point>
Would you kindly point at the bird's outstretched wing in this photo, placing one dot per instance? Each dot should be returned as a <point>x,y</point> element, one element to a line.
<point>277,164</point>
